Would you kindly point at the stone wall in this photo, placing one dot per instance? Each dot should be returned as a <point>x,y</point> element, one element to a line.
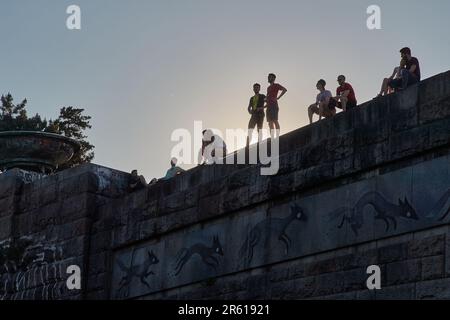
<point>46,225</point>
<point>370,186</point>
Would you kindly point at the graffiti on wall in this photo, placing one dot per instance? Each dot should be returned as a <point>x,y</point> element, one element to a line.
<point>33,265</point>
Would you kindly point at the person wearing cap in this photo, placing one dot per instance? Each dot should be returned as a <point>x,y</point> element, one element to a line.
<point>325,105</point>
<point>213,148</point>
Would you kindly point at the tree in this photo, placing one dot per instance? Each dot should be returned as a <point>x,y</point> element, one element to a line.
<point>70,123</point>
<point>14,117</point>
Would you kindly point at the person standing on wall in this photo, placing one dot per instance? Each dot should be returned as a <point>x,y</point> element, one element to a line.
<point>272,103</point>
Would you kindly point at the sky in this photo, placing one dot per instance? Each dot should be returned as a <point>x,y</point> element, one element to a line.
<point>144,68</point>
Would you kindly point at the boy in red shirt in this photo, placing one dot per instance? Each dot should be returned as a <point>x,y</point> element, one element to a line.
<point>272,102</point>
<point>345,95</point>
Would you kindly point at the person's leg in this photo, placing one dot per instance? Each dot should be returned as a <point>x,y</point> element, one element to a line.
<point>277,124</point>
<point>350,105</point>
<point>389,90</point>
<point>260,127</point>
<point>312,109</point>
<point>344,103</point>
<point>327,112</point>
<point>274,129</point>
<point>412,79</point>
<point>251,126</point>
<point>405,78</point>
<point>395,83</point>
<point>321,110</point>
<point>333,112</point>
<point>249,136</point>
<point>384,87</point>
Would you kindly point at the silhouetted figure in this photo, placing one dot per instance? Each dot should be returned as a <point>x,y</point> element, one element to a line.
<point>136,181</point>
<point>345,95</point>
<point>174,169</point>
<point>325,106</point>
<point>272,103</point>
<point>396,74</point>
<point>256,109</point>
<point>410,74</point>
<point>213,148</point>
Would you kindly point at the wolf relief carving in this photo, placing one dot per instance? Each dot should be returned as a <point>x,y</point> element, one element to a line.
<point>386,211</point>
<point>207,254</point>
<point>135,271</point>
<point>264,228</point>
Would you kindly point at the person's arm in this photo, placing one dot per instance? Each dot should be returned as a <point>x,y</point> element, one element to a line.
<point>132,185</point>
<point>200,156</point>
<point>345,93</point>
<point>142,180</point>
<point>394,73</point>
<point>413,68</point>
<point>179,170</point>
<point>261,108</point>
<point>250,106</point>
<point>265,102</point>
<point>283,91</point>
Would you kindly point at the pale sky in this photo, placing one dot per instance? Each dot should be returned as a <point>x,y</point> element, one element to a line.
<point>144,68</point>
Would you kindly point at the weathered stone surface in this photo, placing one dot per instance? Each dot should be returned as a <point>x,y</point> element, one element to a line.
<point>434,289</point>
<point>433,267</point>
<point>393,253</point>
<point>366,187</point>
<point>430,246</point>
<point>399,292</point>
<point>403,272</point>
<point>5,228</point>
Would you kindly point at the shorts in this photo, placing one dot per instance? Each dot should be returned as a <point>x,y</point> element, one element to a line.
<point>257,120</point>
<point>350,105</point>
<point>407,79</point>
<point>272,112</point>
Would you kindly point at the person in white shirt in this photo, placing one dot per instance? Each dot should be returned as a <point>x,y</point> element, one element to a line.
<point>213,148</point>
<point>396,74</point>
<point>325,106</point>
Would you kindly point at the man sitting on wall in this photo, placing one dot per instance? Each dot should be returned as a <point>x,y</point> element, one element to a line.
<point>345,95</point>
<point>174,169</point>
<point>410,74</point>
<point>325,105</point>
<point>136,181</point>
